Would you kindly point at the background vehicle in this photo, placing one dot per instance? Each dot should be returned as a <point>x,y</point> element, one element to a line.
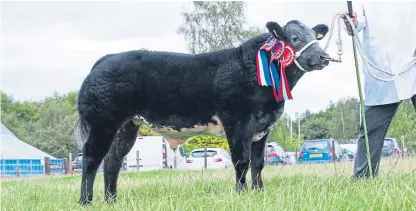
<point>349,150</point>
<point>391,148</point>
<point>155,153</point>
<point>77,164</point>
<point>276,155</point>
<point>180,157</point>
<point>320,151</point>
<point>216,158</point>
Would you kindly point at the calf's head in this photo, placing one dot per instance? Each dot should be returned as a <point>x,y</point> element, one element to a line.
<point>303,39</point>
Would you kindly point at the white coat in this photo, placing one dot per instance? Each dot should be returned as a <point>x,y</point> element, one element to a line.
<point>389,41</point>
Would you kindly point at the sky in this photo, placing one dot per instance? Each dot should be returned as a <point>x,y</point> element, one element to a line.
<point>49,47</point>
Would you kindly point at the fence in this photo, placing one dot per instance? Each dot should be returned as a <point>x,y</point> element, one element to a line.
<point>23,167</point>
<point>32,167</point>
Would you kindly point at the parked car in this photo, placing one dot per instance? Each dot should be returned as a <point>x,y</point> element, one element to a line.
<point>216,158</point>
<point>292,157</point>
<point>321,151</point>
<point>348,154</point>
<point>77,164</point>
<point>180,157</point>
<point>391,148</point>
<point>276,155</point>
<point>349,150</point>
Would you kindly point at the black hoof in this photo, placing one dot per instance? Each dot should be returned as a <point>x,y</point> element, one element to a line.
<point>241,187</point>
<point>257,188</point>
<point>110,200</point>
<point>84,202</point>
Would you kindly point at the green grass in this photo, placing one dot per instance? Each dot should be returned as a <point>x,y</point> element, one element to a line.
<point>298,187</point>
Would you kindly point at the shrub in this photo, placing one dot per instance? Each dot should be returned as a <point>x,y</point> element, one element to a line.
<point>197,142</point>
<point>146,131</point>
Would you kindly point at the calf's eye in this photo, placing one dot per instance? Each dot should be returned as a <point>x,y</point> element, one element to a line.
<point>295,39</point>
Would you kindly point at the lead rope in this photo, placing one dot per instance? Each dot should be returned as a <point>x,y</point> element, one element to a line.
<point>338,42</point>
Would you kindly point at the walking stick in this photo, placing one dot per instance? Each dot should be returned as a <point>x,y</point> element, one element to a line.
<point>349,4</point>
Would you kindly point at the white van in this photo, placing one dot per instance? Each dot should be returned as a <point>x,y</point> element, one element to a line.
<point>154,153</point>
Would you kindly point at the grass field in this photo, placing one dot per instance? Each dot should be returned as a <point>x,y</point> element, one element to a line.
<point>297,187</point>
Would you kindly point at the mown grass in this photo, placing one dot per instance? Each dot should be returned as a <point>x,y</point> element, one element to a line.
<point>298,187</point>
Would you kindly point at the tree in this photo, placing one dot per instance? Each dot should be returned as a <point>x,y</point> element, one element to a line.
<point>316,128</point>
<point>54,133</point>
<point>404,123</point>
<point>48,124</point>
<point>280,133</point>
<point>213,26</point>
<point>345,119</point>
<point>16,115</point>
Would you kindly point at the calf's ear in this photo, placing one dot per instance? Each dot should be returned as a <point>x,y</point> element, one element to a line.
<point>276,30</point>
<point>321,30</point>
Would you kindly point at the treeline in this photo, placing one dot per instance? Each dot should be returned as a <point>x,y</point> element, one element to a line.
<point>341,121</point>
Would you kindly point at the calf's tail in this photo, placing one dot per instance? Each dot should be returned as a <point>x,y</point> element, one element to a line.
<point>82,131</point>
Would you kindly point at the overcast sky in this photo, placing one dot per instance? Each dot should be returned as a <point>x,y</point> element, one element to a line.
<point>51,46</point>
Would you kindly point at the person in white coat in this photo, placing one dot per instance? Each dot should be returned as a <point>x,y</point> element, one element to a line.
<point>389,41</point>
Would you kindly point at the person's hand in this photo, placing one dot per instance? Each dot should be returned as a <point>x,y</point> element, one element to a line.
<point>347,24</point>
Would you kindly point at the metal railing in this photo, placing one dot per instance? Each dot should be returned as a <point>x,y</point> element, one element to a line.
<point>31,167</point>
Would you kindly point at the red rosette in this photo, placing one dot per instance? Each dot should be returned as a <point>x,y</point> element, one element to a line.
<point>289,55</point>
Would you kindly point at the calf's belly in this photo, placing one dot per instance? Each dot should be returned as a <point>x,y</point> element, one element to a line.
<point>171,131</point>
<point>215,129</point>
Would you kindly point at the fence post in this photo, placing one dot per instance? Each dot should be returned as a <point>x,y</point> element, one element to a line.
<point>403,153</point>
<point>66,166</point>
<point>334,156</point>
<point>174,161</point>
<point>70,164</point>
<point>48,166</point>
<point>333,151</point>
<point>30,167</point>
<point>265,152</point>
<point>18,169</point>
<point>205,158</point>
<point>296,154</point>
<point>176,153</point>
<point>138,160</point>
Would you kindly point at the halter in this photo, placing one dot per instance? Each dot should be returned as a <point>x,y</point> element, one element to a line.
<point>297,55</point>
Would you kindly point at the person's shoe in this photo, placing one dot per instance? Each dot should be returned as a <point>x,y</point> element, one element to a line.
<point>359,178</point>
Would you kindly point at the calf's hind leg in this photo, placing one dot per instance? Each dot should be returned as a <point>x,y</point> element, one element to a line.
<point>239,137</point>
<point>122,144</point>
<point>95,148</point>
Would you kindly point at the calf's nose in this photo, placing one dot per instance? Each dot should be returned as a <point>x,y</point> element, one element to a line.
<point>325,57</point>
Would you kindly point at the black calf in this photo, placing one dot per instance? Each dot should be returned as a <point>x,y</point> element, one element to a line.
<point>173,90</point>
